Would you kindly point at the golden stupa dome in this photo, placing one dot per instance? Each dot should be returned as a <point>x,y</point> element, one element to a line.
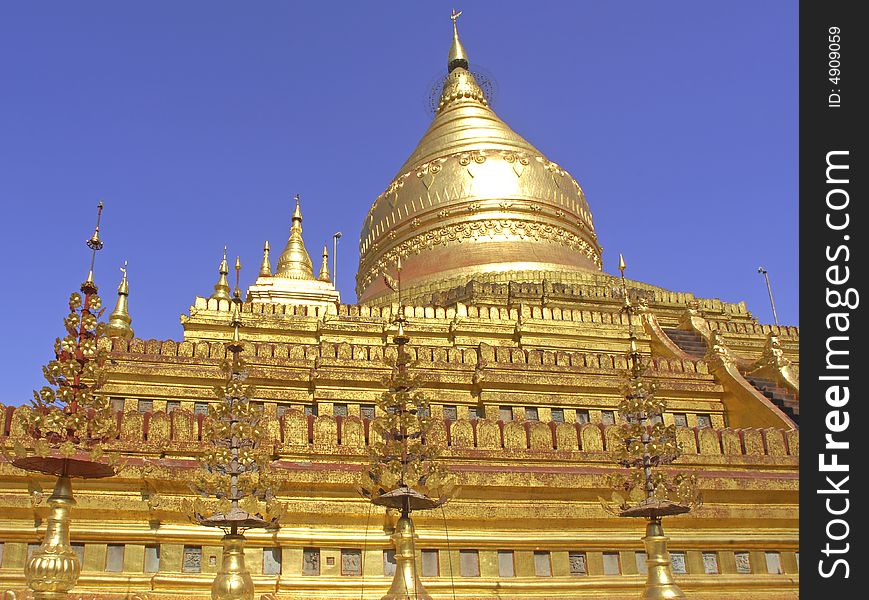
<point>474,198</point>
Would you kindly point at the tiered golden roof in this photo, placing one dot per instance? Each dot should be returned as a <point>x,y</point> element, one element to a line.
<point>472,180</point>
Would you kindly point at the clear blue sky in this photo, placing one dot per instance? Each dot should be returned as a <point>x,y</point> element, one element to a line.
<point>197,121</point>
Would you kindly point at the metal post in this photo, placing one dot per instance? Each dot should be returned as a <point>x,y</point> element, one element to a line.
<point>335,238</point>
<point>765,274</point>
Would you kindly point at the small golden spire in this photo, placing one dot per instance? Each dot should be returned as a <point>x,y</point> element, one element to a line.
<point>118,325</point>
<point>237,293</point>
<point>95,244</point>
<point>297,213</point>
<point>294,262</point>
<point>324,269</point>
<point>265,269</point>
<point>626,306</point>
<point>458,57</point>
<point>221,288</point>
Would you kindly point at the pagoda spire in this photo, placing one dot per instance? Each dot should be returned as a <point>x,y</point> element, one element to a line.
<point>458,57</point>
<point>265,269</point>
<point>221,288</point>
<point>294,262</point>
<point>118,325</point>
<point>324,269</point>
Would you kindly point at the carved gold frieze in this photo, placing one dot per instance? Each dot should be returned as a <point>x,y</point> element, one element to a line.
<point>503,229</point>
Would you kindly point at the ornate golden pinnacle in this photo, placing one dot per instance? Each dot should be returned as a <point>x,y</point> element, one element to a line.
<point>457,57</point>
<point>221,288</point>
<point>265,269</point>
<point>119,322</point>
<point>95,244</point>
<point>237,292</point>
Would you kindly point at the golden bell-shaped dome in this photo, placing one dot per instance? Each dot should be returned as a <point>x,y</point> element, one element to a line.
<point>473,199</point>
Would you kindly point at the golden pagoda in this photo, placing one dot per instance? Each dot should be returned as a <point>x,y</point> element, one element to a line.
<point>523,348</point>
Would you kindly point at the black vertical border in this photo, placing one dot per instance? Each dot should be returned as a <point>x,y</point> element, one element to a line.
<point>825,129</point>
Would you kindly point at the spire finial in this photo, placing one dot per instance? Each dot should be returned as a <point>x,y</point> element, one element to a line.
<point>221,288</point>
<point>95,244</point>
<point>118,325</point>
<point>265,269</point>
<point>237,293</point>
<point>458,57</point>
<point>324,269</point>
<point>626,306</point>
<point>297,213</point>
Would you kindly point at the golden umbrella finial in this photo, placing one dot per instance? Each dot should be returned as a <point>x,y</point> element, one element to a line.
<point>95,244</point>
<point>458,57</point>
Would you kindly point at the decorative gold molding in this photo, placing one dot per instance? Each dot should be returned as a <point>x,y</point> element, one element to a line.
<point>502,229</point>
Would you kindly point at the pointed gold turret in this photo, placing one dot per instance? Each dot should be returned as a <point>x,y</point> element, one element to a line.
<point>294,262</point>
<point>221,288</point>
<point>324,269</point>
<point>236,294</point>
<point>265,269</point>
<point>458,56</point>
<point>118,325</point>
<point>460,83</point>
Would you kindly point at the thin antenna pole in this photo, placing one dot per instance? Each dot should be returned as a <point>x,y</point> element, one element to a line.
<point>765,274</point>
<point>335,237</point>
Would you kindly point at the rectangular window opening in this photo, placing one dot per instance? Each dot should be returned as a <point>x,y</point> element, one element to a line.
<point>642,567</point>
<point>115,558</point>
<point>611,563</point>
<point>430,563</point>
<point>542,564</point>
<point>773,563</point>
<point>389,562</point>
<point>272,561</point>
<point>152,558</point>
<point>506,564</point>
<point>469,563</point>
